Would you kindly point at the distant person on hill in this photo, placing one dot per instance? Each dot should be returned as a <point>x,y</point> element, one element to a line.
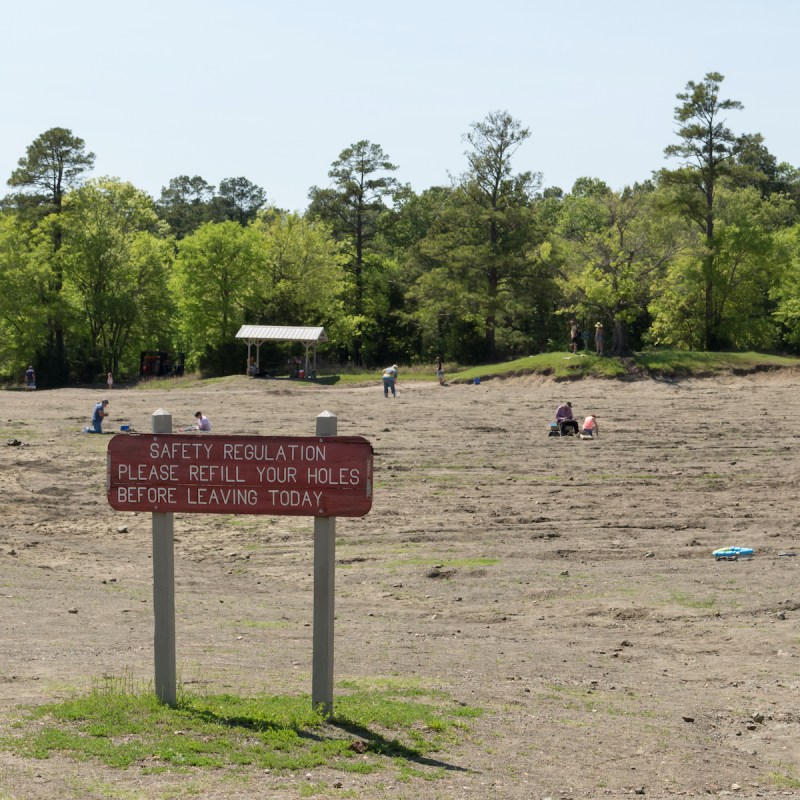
<point>440,370</point>
<point>573,335</point>
<point>565,420</point>
<point>30,378</point>
<point>389,378</point>
<point>598,338</point>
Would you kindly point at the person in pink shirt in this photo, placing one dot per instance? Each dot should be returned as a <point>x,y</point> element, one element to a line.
<point>590,429</point>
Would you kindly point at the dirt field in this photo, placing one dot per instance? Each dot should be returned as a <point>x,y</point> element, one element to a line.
<point>576,599</point>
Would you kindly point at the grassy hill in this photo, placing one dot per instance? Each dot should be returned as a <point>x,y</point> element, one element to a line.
<point>565,366</point>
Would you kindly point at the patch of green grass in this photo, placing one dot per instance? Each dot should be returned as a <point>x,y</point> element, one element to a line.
<point>784,780</point>
<point>685,362</point>
<point>121,727</point>
<point>686,601</point>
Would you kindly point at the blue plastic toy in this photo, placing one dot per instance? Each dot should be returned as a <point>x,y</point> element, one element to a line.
<point>732,553</point>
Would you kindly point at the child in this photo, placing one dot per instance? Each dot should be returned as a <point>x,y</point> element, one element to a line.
<point>590,428</point>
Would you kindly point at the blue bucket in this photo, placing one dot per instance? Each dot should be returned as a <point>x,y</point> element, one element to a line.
<point>477,381</point>
<point>124,427</point>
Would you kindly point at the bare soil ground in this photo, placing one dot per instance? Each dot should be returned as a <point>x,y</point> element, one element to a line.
<point>566,587</point>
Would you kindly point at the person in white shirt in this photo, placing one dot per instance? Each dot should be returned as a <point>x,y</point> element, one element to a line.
<point>203,423</point>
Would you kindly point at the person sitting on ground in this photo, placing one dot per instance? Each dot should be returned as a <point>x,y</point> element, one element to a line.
<point>567,423</point>
<point>590,428</point>
<point>203,423</point>
<point>97,417</point>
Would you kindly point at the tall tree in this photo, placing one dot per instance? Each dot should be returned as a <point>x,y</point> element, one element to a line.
<point>361,179</point>
<point>480,247</point>
<point>185,204</point>
<point>54,163</point>
<point>707,153</point>
<point>238,200</point>
<point>501,200</point>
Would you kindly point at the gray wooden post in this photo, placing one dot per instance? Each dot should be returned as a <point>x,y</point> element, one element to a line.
<point>324,566</point>
<point>164,589</point>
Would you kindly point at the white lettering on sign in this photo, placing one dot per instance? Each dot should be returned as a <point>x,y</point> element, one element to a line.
<point>147,472</point>
<point>146,494</point>
<point>344,476</point>
<point>281,452</point>
<point>184,450</point>
<point>294,498</point>
<point>209,473</point>
<point>200,496</point>
<point>277,474</point>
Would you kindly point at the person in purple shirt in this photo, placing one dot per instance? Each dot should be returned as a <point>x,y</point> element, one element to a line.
<point>567,423</point>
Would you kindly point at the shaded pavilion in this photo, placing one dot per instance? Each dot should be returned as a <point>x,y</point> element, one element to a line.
<point>255,335</point>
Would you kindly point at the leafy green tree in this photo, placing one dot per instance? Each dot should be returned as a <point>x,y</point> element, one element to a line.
<point>616,245</point>
<point>759,168</point>
<point>300,279</point>
<point>353,206</point>
<point>24,278</point>
<point>55,163</point>
<point>786,292</point>
<point>707,151</point>
<point>747,268</point>
<point>116,261</point>
<point>215,271</point>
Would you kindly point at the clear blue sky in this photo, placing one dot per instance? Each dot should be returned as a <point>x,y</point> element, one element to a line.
<point>274,91</point>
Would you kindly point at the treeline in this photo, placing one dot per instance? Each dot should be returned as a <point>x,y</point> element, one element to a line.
<point>704,254</point>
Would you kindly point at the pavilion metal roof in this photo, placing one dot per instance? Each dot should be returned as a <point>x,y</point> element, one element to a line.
<point>285,333</point>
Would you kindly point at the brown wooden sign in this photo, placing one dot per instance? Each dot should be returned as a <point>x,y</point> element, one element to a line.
<point>321,476</point>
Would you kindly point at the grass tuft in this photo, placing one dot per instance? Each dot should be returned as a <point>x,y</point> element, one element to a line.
<point>123,727</point>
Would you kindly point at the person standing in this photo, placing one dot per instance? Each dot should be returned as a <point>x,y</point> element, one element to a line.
<point>98,416</point>
<point>440,370</point>
<point>573,335</point>
<point>389,378</point>
<point>30,378</point>
<point>598,338</point>
<point>203,423</point>
<point>110,381</point>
